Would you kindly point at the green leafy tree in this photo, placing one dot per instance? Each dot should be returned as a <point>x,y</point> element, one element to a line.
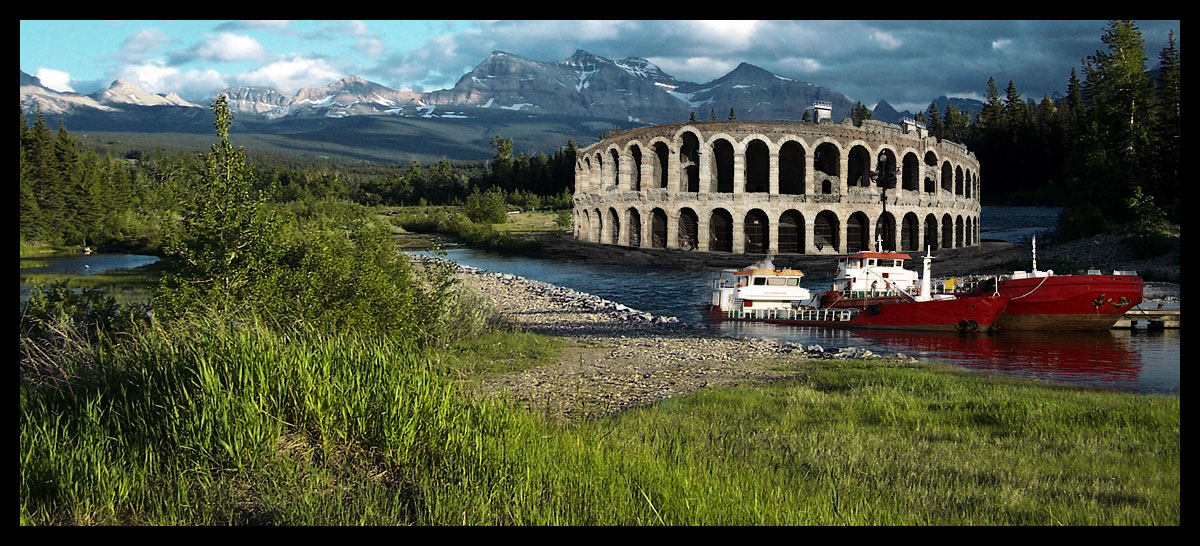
<point>224,244</point>
<point>859,113</point>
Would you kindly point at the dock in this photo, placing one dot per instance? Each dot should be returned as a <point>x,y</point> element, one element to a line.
<point>1151,315</point>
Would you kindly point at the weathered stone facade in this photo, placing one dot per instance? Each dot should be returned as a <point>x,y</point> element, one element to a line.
<point>782,187</point>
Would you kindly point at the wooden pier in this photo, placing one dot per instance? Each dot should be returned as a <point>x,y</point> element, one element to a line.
<point>1152,316</point>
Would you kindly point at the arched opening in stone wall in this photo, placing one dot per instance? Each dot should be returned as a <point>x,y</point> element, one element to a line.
<point>634,221</point>
<point>689,229</point>
<point>858,233</point>
<point>958,232</point>
<point>968,232</point>
<point>859,165</point>
<point>615,167</point>
<point>635,177</point>
<point>599,227</point>
<point>689,163</point>
<point>912,170</point>
<point>598,172</point>
<point>910,231</point>
<point>661,157</point>
<point>947,177</point>
<point>722,166</point>
<point>958,181</point>
<point>758,167</point>
<point>930,172</point>
<point>757,231</point>
<point>947,232</point>
<point>791,232</point>
<point>888,168</point>
<point>826,159</point>
<point>720,231</point>
<point>614,226</point>
<point>827,186</point>
<point>885,232</point>
<point>931,232</point>
<point>967,185</point>
<point>791,168</point>
<point>658,228</point>
<point>826,232</point>
<point>585,230</point>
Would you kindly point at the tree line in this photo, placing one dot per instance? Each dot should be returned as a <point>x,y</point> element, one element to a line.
<point>74,195</point>
<point>1108,152</point>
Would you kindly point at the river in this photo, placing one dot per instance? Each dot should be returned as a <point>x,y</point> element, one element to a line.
<point>1142,361</point>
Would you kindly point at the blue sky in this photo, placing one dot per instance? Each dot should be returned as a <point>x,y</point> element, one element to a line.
<point>907,63</point>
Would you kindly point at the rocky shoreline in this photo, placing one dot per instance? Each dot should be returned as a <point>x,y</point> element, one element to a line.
<point>620,358</point>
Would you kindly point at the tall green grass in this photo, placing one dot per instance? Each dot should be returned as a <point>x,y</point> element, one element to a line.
<point>230,422</point>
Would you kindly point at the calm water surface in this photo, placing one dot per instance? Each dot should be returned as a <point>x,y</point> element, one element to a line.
<point>1121,360</point>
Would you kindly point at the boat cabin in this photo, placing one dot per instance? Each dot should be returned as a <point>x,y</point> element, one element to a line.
<point>870,274</point>
<point>760,285</point>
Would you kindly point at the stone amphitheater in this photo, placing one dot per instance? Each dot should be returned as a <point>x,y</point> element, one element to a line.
<point>778,187</point>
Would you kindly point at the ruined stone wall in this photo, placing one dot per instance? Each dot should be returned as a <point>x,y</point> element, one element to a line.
<point>777,187</point>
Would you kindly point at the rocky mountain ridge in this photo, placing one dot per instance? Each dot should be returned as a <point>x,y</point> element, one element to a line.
<point>630,90</point>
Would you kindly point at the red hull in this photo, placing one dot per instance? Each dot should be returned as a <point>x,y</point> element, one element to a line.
<point>1067,302</point>
<point>964,314</point>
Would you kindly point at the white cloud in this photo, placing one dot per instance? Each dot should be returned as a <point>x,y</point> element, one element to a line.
<point>144,40</point>
<point>696,69</point>
<point>722,36</point>
<point>886,40</point>
<point>230,47</point>
<point>291,74</point>
<point>156,77</point>
<point>371,47</point>
<point>1001,44</point>
<point>55,79</point>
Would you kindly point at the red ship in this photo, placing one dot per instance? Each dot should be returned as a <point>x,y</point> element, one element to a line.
<point>871,290</point>
<point>1041,300</point>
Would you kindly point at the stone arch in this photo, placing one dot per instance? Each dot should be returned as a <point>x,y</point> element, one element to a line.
<point>910,232</point>
<point>827,159</point>
<point>635,177</point>
<point>792,159</point>
<point>967,232</point>
<point>947,177</point>
<point>721,167</point>
<point>858,232</point>
<point>947,231</point>
<point>615,168</point>
<point>720,231</point>
<point>967,185</point>
<point>598,236</point>
<point>888,168</point>
<point>658,228</point>
<point>689,162</point>
<point>885,231</point>
<point>634,221</point>
<point>931,162</point>
<point>958,180</point>
<point>614,226</point>
<point>758,167</point>
<point>858,166</point>
<point>756,229</point>
<point>958,232</point>
<point>791,232</point>
<point>689,228</point>
<point>931,232</point>
<point>826,232</point>
<point>911,172</point>
<point>660,158</point>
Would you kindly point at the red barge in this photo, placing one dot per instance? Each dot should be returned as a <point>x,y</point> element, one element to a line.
<point>870,290</point>
<point>1041,300</point>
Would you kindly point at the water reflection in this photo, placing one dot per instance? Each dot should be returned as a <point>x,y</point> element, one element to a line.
<point>1123,360</point>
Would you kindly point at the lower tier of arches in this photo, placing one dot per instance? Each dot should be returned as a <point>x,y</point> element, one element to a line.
<point>789,231</point>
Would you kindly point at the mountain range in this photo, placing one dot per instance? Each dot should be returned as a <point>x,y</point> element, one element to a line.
<point>583,93</point>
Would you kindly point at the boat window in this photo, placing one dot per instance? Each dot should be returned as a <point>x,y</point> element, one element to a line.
<point>870,262</point>
<point>759,281</point>
<point>777,281</point>
<point>853,264</point>
<point>886,263</point>
<point>742,281</point>
<point>793,282</point>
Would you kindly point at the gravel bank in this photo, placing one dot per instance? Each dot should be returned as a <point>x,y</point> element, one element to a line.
<point>620,358</point>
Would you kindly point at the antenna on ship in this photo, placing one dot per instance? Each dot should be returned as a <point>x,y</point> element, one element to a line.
<point>1035,253</point>
<point>926,287</point>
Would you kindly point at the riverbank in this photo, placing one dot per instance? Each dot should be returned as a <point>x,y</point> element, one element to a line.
<point>619,358</point>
